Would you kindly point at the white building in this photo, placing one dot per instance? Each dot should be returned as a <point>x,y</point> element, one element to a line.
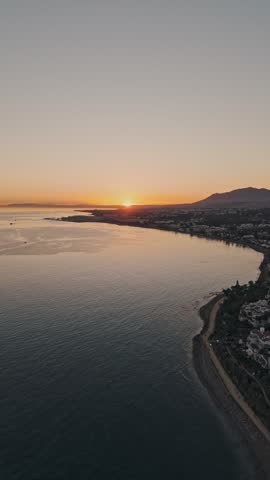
<point>257,313</point>
<point>258,347</point>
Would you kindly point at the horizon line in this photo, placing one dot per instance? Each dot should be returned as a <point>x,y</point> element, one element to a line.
<point>114,205</point>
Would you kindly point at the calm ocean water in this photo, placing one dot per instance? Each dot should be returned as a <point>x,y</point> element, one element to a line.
<point>96,374</point>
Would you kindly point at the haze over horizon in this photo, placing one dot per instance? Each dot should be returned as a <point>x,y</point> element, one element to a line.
<point>248,195</point>
<point>150,102</point>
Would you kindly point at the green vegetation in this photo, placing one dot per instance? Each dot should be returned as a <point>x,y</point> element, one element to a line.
<point>229,340</point>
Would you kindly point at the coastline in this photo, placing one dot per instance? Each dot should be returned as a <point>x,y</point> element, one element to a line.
<point>245,426</point>
<point>127,223</point>
<point>237,416</point>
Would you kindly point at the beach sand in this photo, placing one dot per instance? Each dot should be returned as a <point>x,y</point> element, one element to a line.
<point>247,429</point>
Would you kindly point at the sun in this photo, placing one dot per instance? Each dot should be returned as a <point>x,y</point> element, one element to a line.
<point>127,204</point>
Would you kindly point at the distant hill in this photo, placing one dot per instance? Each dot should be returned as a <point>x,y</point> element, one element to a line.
<point>55,205</point>
<point>243,197</point>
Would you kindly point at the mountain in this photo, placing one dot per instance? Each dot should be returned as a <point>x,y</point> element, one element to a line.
<point>243,197</point>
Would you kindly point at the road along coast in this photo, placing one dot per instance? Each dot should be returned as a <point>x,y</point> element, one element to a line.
<point>247,428</point>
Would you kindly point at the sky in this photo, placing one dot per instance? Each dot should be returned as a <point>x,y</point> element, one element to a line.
<point>146,101</point>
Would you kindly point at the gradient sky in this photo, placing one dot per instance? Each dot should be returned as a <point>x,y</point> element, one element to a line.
<point>142,100</point>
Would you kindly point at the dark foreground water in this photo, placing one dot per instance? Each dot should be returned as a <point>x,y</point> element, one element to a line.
<point>96,374</point>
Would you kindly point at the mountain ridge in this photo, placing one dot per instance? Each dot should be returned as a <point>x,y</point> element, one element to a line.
<point>241,197</point>
<point>247,196</point>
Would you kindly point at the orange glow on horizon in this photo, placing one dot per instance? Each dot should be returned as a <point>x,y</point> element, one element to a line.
<point>102,201</point>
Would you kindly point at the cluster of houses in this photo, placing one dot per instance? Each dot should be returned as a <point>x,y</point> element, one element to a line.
<point>220,224</point>
<point>257,314</point>
<point>257,234</point>
<point>258,347</point>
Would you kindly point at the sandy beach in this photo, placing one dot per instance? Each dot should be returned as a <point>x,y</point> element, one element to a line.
<point>244,424</point>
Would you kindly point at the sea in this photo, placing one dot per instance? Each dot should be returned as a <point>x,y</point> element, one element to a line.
<point>96,370</point>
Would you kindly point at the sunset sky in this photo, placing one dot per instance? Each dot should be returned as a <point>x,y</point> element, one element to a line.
<point>147,101</point>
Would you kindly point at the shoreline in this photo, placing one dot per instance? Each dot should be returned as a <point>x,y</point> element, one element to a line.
<point>236,414</point>
<point>251,436</point>
<point>134,224</point>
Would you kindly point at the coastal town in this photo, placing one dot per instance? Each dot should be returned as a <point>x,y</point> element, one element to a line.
<point>241,338</point>
<point>238,225</point>
<point>241,341</point>
<point>257,314</point>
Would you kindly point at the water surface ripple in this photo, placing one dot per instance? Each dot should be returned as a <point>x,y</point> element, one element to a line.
<point>96,328</point>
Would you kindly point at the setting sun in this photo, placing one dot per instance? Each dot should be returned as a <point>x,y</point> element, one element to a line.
<point>127,204</point>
